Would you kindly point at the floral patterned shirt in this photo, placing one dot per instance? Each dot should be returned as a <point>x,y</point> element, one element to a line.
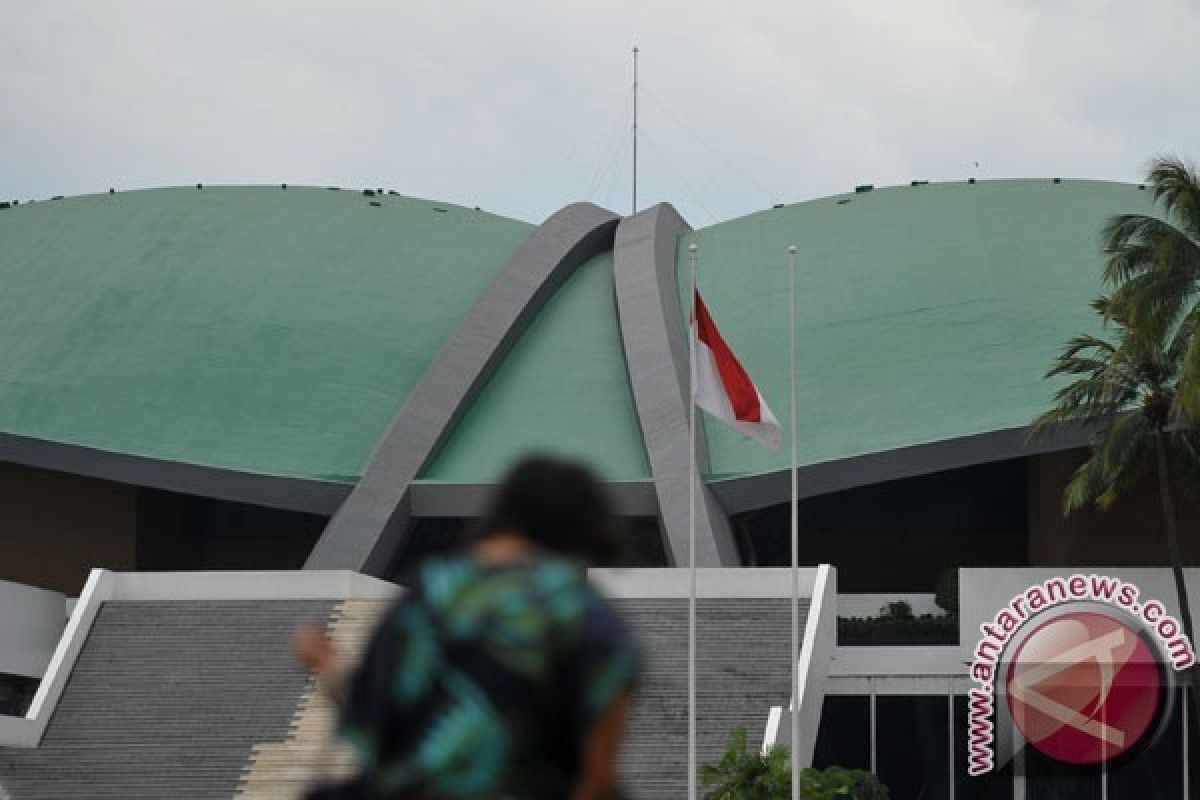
<point>483,681</point>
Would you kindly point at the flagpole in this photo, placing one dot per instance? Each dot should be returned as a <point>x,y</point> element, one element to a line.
<point>693,468</point>
<point>633,203</point>
<point>795,534</point>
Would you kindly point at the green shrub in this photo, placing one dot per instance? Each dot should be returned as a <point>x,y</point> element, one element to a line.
<point>836,783</point>
<point>742,775</point>
<point>899,609</point>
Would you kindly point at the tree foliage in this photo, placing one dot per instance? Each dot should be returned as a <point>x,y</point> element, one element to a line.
<point>835,783</point>
<point>744,775</point>
<point>1143,379</point>
<point>1153,263</point>
<point>1124,390</point>
<point>1137,390</point>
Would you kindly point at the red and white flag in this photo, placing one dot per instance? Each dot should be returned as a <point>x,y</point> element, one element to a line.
<point>721,386</point>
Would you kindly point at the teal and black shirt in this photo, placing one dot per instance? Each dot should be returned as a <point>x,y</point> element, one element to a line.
<point>485,680</point>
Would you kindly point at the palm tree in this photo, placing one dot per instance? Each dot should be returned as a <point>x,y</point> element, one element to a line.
<point>1154,262</point>
<point>1126,392</point>
<point>742,774</point>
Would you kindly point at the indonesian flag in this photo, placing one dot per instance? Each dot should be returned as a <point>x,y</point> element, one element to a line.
<point>721,386</point>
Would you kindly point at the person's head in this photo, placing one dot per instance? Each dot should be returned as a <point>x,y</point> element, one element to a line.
<point>558,505</point>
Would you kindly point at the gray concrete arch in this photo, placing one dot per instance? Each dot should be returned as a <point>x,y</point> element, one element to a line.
<point>656,356</point>
<point>368,529</point>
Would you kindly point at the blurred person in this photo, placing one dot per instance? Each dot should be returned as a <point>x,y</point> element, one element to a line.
<point>501,672</point>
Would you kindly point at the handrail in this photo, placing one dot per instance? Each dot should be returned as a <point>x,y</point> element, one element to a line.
<point>816,651</point>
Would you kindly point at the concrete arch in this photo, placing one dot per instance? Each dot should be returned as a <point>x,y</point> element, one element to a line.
<point>656,356</point>
<point>368,529</point>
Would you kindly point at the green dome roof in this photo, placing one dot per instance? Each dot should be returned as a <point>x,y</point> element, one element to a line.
<point>252,328</point>
<point>277,332</point>
<point>926,313</point>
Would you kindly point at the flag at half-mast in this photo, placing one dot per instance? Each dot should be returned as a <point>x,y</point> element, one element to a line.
<point>721,386</point>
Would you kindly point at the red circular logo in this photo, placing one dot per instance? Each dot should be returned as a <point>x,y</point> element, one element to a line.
<point>1083,687</point>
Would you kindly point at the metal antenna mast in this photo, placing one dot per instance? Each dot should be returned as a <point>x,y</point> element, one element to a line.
<point>635,99</point>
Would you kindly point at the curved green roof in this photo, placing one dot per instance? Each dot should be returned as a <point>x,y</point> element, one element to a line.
<point>562,388</point>
<point>277,331</point>
<point>926,313</point>
<point>259,329</point>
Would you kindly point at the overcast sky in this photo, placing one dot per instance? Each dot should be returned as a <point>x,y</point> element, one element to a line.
<point>521,107</point>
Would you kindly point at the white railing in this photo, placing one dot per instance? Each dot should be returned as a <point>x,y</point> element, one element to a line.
<point>816,651</point>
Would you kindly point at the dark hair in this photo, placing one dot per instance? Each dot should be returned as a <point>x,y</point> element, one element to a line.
<point>559,505</point>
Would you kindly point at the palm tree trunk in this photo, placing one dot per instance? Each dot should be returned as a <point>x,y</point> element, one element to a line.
<point>1172,536</point>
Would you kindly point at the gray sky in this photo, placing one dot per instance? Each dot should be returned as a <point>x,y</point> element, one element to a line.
<point>521,107</point>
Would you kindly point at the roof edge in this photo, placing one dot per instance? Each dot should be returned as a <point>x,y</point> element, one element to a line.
<point>308,495</point>
<point>760,490</point>
<point>916,186</point>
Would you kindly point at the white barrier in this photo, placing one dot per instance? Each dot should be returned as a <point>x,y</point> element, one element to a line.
<point>31,622</point>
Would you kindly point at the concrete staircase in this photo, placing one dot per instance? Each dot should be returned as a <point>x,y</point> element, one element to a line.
<point>283,770</point>
<point>201,699</point>
<point>167,700</point>
<point>742,669</point>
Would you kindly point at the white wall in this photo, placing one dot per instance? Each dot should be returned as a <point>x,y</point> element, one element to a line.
<point>984,592</point>
<point>31,621</point>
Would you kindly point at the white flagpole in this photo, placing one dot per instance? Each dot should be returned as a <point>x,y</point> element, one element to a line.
<point>795,534</point>
<point>692,468</point>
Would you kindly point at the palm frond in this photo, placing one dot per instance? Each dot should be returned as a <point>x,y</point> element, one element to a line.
<point>1177,185</point>
<point>1182,338</point>
<point>1129,234</point>
<point>1086,485</point>
<point>1143,376</point>
<point>1152,266</point>
<point>1118,460</point>
<point>1071,415</point>
<point>1122,451</point>
<point>1188,383</point>
<point>1129,242</point>
<point>1154,297</point>
<point>1085,341</point>
<point>1092,399</point>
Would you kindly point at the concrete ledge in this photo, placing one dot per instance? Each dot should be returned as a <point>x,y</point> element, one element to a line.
<point>659,582</point>
<point>897,661</point>
<point>898,685</point>
<point>19,732</point>
<point>290,585</point>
